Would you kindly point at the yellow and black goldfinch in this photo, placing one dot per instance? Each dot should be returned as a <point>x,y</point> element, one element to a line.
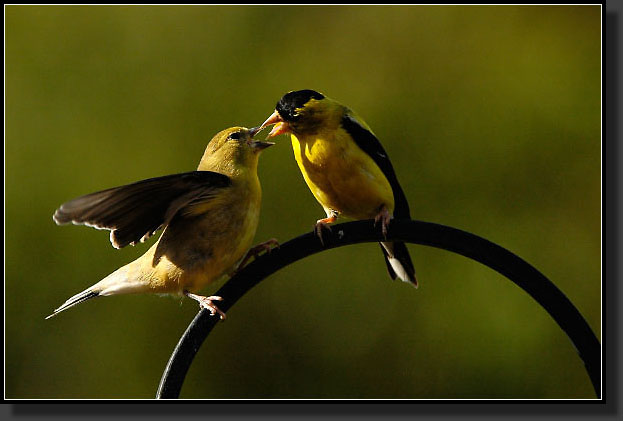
<point>209,218</point>
<point>345,167</point>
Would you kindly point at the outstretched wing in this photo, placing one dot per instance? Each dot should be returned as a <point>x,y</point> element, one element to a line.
<point>136,211</point>
<point>366,140</point>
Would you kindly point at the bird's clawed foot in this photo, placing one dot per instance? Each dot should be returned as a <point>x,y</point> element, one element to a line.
<point>266,246</point>
<point>323,224</point>
<point>383,217</point>
<point>254,251</point>
<point>206,302</point>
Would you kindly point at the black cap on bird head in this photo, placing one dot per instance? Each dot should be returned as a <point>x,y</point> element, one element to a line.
<point>287,105</point>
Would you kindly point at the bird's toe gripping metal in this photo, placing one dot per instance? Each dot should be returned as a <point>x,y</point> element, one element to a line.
<point>206,302</point>
<point>323,224</point>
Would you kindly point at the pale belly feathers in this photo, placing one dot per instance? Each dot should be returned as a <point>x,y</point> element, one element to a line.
<point>224,238</point>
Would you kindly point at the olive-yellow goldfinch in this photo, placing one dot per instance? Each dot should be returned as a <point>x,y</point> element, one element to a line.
<point>208,216</point>
<point>345,167</point>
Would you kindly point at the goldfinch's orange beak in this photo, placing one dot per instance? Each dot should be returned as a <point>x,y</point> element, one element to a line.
<point>281,126</point>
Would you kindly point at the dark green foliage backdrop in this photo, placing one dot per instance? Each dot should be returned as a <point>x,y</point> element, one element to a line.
<point>491,116</point>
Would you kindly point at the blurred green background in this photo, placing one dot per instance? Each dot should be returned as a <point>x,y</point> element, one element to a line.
<point>491,116</point>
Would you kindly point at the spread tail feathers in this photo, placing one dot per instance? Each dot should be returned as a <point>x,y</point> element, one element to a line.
<point>76,299</point>
<point>399,262</point>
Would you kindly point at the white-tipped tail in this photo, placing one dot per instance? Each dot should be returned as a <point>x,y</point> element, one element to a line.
<point>117,282</point>
<point>399,270</point>
<point>76,299</point>
<point>399,262</point>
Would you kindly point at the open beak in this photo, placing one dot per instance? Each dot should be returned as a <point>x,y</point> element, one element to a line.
<point>281,126</point>
<point>258,145</point>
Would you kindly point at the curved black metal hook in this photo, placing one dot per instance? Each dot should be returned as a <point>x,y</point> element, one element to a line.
<point>418,232</point>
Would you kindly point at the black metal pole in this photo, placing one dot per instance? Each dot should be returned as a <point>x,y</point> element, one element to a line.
<point>469,245</point>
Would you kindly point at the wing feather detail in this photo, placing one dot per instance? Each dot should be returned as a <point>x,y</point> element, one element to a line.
<point>366,140</point>
<point>134,212</point>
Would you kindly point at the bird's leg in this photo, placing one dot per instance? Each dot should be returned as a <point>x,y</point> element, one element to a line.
<point>206,302</point>
<point>384,217</point>
<point>324,224</point>
<point>256,250</point>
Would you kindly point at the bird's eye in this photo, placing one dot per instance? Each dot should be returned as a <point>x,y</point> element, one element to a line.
<point>235,136</point>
